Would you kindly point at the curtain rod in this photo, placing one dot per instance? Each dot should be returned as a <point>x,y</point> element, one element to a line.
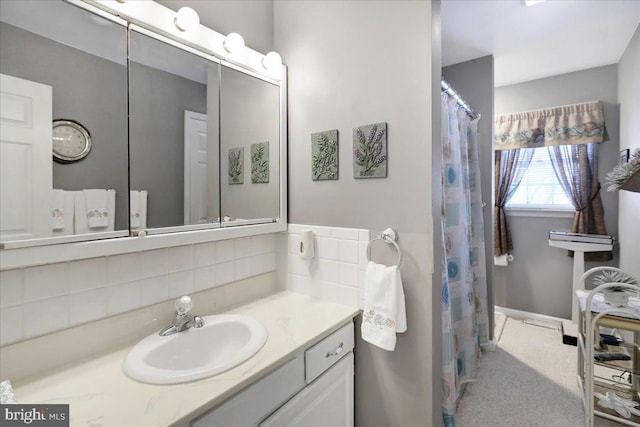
<point>446,87</point>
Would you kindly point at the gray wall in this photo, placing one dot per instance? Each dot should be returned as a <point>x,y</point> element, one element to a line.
<point>346,70</point>
<point>87,89</point>
<point>539,280</point>
<point>157,104</point>
<point>629,99</point>
<point>473,80</point>
<point>253,19</point>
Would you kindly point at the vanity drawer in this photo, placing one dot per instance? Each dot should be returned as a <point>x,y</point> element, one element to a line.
<point>323,355</point>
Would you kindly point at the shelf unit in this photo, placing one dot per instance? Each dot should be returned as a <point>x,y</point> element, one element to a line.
<point>619,377</point>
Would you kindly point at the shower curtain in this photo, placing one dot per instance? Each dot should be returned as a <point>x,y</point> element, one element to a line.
<point>465,323</point>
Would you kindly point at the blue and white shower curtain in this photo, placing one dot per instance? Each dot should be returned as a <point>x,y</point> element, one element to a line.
<point>465,323</point>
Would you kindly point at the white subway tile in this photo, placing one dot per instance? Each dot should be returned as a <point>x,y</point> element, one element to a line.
<point>349,274</point>
<point>362,254</point>
<point>328,248</point>
<point>349,251</point>
<point>45,281</point>
<point>297,265</point>
<point>261,264</point>
<point>204,254</point>
<point>122,298</point>
<point>123,268</point>
<point>319,231</point>
<point>180,283</point>
<point>349,296</point>
<point>10,325</point>
<point>154,290</point>
<point>87,274</point>
<point>43,317</point>
<point>225,273</point>
<point>345,233</point>
<point>263,244</point>
<point>364,235</point>
<point>281,242</point>
<point>329,270</point>
<point>243,268</point>
<point>204,278</point>
<point>242,247</point>
<point>11,287</point>
<point>181,258</point>
<point>225,251</point>
<point>154,263</point>
<point>299,284</point>
<point>88,306</point>
<point>328,292</point>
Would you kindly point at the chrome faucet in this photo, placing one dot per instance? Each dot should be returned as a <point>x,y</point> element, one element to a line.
<point>182,321</point>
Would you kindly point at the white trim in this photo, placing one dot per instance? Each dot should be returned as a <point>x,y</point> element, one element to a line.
<point>25,257</point>
<point>541,212</point>
<point>525,315</point>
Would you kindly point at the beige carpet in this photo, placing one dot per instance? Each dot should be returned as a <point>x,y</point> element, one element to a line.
<point>529,380</point>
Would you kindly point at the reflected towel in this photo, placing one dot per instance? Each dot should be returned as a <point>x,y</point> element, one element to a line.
<point>96,208</point>
<point>384,312</point>
<point>138,209</point>
<point>63,212</point>
<point>57,210</point>
<point>81,224</point>
<point>6,393</point>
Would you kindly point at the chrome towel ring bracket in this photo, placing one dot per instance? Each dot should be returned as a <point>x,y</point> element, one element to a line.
<point>389,236</point>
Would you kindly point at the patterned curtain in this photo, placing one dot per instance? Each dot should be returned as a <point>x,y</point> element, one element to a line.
<point>510,166</point>
<point>464,287</point>
<point>567,125</point>
<point>576,169</point>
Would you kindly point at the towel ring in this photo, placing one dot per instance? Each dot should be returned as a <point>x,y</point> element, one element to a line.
<point>388,236</point>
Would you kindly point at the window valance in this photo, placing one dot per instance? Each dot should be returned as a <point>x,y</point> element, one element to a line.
<point>566,125</point>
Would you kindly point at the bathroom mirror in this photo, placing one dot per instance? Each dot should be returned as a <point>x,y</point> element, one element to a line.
<point>62,62</point>
<point>149,134</point>
<point>174,135</point>
<point>250,149</point>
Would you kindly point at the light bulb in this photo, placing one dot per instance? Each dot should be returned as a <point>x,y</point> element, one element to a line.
<point>233,43</point>
<point>186,19</point>
<point>271,61</point>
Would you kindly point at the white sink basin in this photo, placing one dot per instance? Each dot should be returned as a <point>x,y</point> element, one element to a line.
<point>225,341</point>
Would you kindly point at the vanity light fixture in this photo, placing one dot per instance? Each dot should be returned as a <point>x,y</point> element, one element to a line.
<point>233,43</point>
<point>186,19</point>
<point>531,2</point>
<point>272,60</point>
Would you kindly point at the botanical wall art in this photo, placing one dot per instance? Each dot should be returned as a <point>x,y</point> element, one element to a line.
<point>236,165</point>
<point>324,155</point>
<point>260,162</point>
<point>370,151</point>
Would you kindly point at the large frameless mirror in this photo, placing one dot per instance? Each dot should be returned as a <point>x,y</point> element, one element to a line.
<point>63,124</point>
<point>97,145</point>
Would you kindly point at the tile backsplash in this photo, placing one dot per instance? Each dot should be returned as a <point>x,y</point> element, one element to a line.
<point>336,273</point>
<point>43,299</point>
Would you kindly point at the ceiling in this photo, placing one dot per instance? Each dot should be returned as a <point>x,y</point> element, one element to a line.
<point>547,39</point>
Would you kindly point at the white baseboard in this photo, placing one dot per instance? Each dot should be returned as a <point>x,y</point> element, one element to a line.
<point>525,315</point>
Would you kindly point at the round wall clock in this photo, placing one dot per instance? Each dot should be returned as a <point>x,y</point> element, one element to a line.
<point>71,141</point>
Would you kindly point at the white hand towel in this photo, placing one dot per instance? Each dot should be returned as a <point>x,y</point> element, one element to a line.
<point>96,204</point>
<point>138,209</point>
<point>384,308</point>
<point>57,210</point>
<point>63,213</point>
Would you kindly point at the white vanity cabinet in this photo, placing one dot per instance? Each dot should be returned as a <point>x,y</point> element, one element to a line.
<point>314,389</point>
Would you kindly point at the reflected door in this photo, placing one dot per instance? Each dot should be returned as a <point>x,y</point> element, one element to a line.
<point>25,154</point>
<point>195,168</point>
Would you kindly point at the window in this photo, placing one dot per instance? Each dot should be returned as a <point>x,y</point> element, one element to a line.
<point>539,188</point>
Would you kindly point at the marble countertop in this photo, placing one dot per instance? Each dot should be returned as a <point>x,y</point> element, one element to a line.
<point>100,394</point>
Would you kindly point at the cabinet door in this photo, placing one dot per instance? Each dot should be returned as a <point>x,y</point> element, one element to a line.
<point>327,402</point>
